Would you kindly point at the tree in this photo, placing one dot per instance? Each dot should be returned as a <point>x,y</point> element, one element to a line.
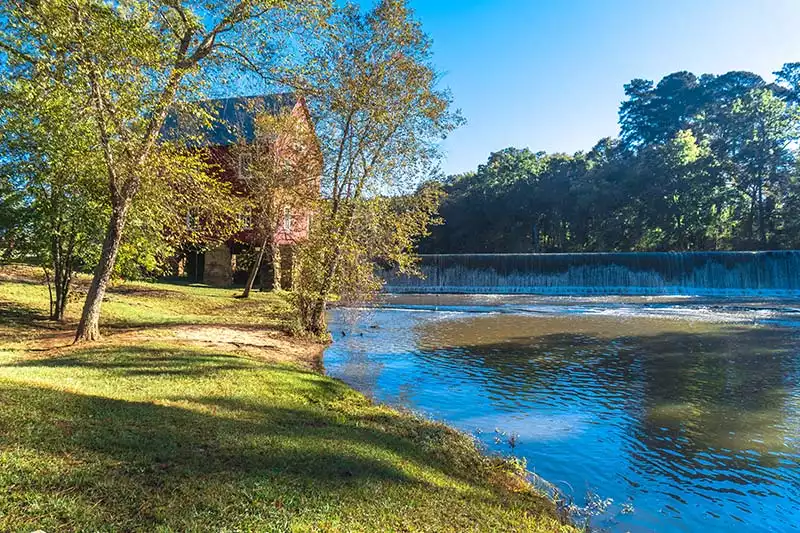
<point>495,206</point>
<point>655,113</point>
<point>51,163</point>
<point>13,218</point>
<point>282,178</point>
<point>788,78</point>
<point>753,147</point>
<point>379,118</point>
<point>130,62</point>
<point>53,166</point>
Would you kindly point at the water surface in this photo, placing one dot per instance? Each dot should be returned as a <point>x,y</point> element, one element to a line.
<point>655,414</point>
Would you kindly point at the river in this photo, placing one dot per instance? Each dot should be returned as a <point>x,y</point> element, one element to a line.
<point>650,413</point>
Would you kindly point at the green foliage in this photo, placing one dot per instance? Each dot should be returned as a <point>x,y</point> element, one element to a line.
<point>51,166</point>
<point>120,68</point>
<point>13,221</point>
<point>703,163</point>
<point>182,203</point>
<point>282,179</point>
<point>379,117</point>
<point>384,234</point>
<point>54,171</point>
<point>284,168</point>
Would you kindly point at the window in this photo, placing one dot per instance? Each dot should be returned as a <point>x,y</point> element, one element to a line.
<point>287,218</point>
<point>246,220</point>
<point>245,163</point>
<point>191,220</point>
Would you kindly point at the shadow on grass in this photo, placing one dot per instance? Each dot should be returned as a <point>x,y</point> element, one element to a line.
<point>19,321</point>
<point>134,326</point>
<point>20,317</point>
<point>14,314</point>
<point>140,360</point>
<point>246,415</point>
<point>154,306</point>
<point>139,290</point>
<point>19,273</point>
<point>181,442</point>
<point>125,459</point>
<point>184,281</point>
<point>230,312</point>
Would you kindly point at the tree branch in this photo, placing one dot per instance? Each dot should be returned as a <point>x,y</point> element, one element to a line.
<point>18,53</point>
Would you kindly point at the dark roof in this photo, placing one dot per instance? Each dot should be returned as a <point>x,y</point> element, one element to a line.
<point>232,119</point>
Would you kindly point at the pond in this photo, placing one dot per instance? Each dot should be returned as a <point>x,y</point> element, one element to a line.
<point>651,414</point>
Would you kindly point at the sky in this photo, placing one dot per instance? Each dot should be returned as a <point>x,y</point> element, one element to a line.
<point>549,74</point>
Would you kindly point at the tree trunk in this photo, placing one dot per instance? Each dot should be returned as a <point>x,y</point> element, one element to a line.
<point>312,314</point>
<point>762,232</point>
<point>62,295</point>
<point>57,312</point>
<point>750,221</point>
<point>50,292</point>
<point>254,269</point>
<point>59,307</point>
<point>55,252</point>
<point>317,325</point>
<point>89,326</point>
<point>271,280</point>
<point>313,309</point>
<point>59,284</point>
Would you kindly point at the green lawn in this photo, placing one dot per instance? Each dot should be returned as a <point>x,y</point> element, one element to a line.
<point>158,435</point>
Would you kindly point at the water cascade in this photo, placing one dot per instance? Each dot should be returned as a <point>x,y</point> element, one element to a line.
<point>768,273</point>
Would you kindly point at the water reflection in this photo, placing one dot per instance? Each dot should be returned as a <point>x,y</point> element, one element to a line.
<point>685,424</point>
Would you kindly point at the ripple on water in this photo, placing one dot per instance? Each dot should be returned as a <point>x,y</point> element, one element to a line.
<point>686,414</point>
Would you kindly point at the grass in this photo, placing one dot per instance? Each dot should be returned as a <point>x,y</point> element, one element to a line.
<point>149,433</point>
<point>137,304</point>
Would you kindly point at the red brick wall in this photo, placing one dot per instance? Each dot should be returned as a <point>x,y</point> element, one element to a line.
<point>225,158</point>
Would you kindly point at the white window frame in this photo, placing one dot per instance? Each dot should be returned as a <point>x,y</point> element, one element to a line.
<point>191,219</point>
<point>287,218</point>
<point>246,219</point>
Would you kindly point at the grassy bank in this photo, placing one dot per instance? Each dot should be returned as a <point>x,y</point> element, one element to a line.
<point>196,413</point>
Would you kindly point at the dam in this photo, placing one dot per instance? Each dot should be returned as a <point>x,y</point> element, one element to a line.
<point>760,273</point>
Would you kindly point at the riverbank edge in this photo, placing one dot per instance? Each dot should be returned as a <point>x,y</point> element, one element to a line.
<point>513,472</point>
<point>504,475</point>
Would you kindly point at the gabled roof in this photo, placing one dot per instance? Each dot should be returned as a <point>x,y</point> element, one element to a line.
<point>233,119</point>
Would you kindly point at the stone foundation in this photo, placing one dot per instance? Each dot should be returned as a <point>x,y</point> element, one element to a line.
<point>218,268</point>
<point>286,262</point>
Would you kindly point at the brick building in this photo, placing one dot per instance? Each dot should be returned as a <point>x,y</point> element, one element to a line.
<point>231,130</point>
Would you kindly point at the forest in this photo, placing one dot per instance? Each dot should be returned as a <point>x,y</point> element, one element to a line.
<point>704,162</point>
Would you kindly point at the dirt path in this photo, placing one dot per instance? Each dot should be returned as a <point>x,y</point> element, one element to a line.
<point>25,328</point>
<point>269,345</point>
<point>264,344</point>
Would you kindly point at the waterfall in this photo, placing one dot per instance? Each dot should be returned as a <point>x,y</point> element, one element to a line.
<point>768,273</point>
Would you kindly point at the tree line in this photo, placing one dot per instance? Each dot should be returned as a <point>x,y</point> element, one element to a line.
<point>704,162</point>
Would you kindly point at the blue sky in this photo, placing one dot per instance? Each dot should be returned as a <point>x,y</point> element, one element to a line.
<point>548,74</point>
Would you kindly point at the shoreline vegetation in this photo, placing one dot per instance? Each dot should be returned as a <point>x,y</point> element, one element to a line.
<point>196,412</point>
